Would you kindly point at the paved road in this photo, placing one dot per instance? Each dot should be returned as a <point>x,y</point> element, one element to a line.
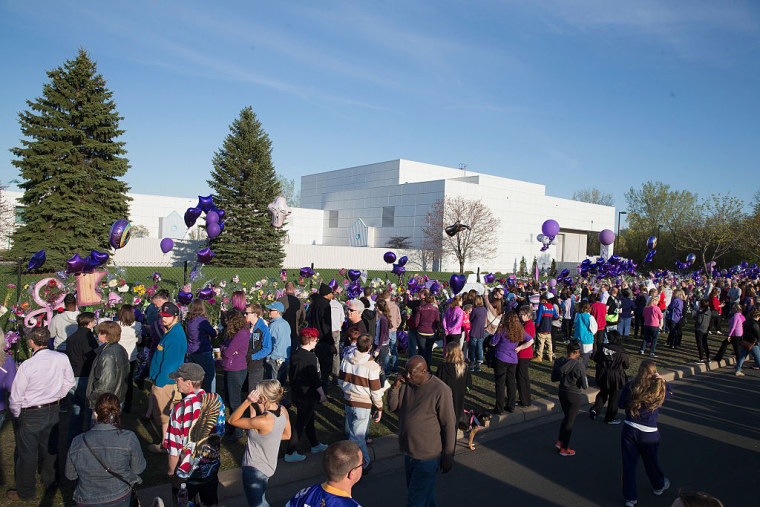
<point>710,441</point>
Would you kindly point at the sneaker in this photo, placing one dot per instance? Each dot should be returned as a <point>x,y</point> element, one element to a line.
<point>631,503</point>
<point>739,374</point>
<point>658,492</point>
<point>641,352</point>
<point>652,354</point>
<point>478,367</point>
<point>318,448</point>
<point>537,359</point>
<point>294,458</point>
<point>571,452</point>
<point>592,414</point>
<point>700,362</point>
<point>615,421</point>
<point>558,445</point>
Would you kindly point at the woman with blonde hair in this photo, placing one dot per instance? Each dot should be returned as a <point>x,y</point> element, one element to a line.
<point>455,374</point>
<point>642,398</point>
<point>265,431</point>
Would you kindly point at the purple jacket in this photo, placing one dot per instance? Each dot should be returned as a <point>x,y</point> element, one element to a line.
<point>426,319</point>
<point>452,320</point>
<point>234,351</point>
<point>505,348</point>
<point>7,374</point>
<point>199,335</point>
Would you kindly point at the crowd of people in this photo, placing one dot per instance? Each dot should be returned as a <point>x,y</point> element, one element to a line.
<point>90,370</point>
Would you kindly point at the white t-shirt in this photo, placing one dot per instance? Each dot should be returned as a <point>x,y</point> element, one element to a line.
<point>130,335</point>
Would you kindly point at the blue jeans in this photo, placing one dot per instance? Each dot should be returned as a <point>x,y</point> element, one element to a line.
<point>357,428</point>
<point>255,487</point>
<point>383,358</point>
<point>276,369</point>
<point>420,481</point>
<point>743,353</point>
<point>206,361</point>
<point>476,350</point>
<point>78,410</point>
<point>394,353</point>
<point>624,326</point>
<point>412,334</point>
<point>233,384</point>
<point>650,335</point>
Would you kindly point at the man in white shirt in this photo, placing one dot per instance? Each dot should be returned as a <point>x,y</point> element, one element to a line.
<point>337,317</point>
<point>64,324</point>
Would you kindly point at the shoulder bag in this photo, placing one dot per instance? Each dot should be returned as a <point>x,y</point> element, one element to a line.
<point>135,502</point>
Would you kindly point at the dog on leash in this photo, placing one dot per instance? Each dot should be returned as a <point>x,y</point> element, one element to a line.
<point>473,421</point>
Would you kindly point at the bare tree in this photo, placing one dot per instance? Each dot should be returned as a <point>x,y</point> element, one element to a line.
<point>7,219</point>
<point>140,231</point>
<point>400,242</point>
<point>469,244</point>
<point>712,228</point>
<point>594,196</point>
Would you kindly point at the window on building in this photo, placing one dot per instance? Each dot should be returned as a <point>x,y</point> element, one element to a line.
<point>20,215</point>
<point>332,220</point>
<point>389,213</point>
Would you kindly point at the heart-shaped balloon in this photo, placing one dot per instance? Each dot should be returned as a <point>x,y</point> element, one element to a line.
<point>37,260</point>
<point>99,257</point>
<point>354,274</point>
<point>403,260</point>
<point>221,214</point>
<point>205,255</point>
<point>333,284</point>
<point>191,215</point>
<point>89,265</point>
<point>457,283</point>
<point>206,293</point>
<point>389,257</point>
<point>205,203</point>
<point>75,264</point>
<point>184,298</point>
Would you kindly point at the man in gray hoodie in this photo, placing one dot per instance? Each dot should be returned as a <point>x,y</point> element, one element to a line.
<point>65,323</point>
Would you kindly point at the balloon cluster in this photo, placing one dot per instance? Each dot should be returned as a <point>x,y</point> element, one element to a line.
<point>689,261</point>
<point>279,209</point>
<point>651,246</point>
<point>612,267</point>
<point>549,230</point>
<point>77,264</point>
<point>398,268</point>
<point>214,216</point>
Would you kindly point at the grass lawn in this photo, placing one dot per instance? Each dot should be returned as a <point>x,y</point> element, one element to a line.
<point>329,417</point>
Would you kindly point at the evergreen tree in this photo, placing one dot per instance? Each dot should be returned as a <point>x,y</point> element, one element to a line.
<point>523,266</point>
<point>244,183</point>
<point>70,164</point>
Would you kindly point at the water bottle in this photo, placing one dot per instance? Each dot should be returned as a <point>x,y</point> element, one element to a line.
<point>182,499</point>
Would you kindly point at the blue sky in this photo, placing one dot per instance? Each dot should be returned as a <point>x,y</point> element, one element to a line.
<point>567,93</point>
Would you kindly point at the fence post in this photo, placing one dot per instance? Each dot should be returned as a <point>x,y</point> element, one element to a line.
<point>478,278</point>
<point>185,274</point>
<point>311,280</point>
<point>19,264</point>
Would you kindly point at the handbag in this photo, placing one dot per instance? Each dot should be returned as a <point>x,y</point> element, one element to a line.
<point>135,502</point>
<point>747,344</point>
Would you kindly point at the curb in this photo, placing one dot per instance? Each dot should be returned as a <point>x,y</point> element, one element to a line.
<point>231,487</point>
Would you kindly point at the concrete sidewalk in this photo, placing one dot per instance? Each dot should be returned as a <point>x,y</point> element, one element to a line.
<point>290,477</point>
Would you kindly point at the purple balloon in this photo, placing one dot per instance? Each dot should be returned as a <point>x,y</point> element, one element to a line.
<point>489,278</point>
<point>221,227</point>
<point>412,283</point>
<point>205,255</point>
<point>75,264</point>
<point>212,217</point>
<point>457,283</point>
<point>221,213</point>
<point>99,257</point>
<point>167,244</point>
<point>89,264</point>
<point>205,203</point>
<point>354,274</point>
<point>398,269</point>
<point>389,257</point>
<point>184,298</point>
<point>191,215</point>
<point>37,260</point>
<point>606,237</point>
<point>306,272</point>
<point>333,284</point>
<point>119,234</point>
<point>402,261</point>
<point>652,242</point>
<point>213,230</point>
<point>206,293</point>
<point>550,228</point>
<point>552,283</point>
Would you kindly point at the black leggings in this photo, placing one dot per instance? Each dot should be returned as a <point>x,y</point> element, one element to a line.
<point>724,344</point>
<point>504,373</point>
<point>304,424</point>
<point>523,380</point>
<point>571,403</point>
<point>702,346</point>
<point>715,322</point>
<point>676,333</point>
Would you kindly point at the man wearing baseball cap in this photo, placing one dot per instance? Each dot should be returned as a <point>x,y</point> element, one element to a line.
<point>169,356</point>
<point>193,456</point>
<point>277,361</point>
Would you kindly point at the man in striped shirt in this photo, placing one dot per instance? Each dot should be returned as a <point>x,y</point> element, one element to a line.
<point>360,381</point>
<point>193,436</point>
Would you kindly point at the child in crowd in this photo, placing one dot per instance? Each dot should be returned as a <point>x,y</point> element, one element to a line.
<point>466,326</point>
<point>571,375</point>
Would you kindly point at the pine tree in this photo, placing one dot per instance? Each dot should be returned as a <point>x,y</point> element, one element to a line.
<point>244,183</point>
<point>70,164</point>
<point>523,266</point>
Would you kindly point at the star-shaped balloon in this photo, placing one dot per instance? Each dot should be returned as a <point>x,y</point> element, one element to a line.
<point>279,209</point>
<point>75,264</point>
<point>205,255</point>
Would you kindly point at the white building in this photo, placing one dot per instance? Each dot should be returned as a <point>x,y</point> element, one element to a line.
<point>348,215</point>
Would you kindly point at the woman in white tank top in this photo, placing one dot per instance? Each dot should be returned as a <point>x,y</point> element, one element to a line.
<point>265,431</point>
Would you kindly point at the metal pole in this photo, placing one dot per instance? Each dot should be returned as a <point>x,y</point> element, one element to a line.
<point>185,274</point>
<point>614,246</point>
<point>18,278</point>
<point>478,278</point>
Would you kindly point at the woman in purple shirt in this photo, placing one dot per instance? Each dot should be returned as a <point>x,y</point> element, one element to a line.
<point>234,362</point>
<point>452,320</point>
<point>200,332</point>
<point>508,341</point>
<point>7,374</point>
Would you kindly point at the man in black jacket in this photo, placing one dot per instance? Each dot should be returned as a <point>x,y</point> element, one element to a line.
<point>611,362</point>
<point>320,318</point>
<point>294,313</point>
<point>81,348</point>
